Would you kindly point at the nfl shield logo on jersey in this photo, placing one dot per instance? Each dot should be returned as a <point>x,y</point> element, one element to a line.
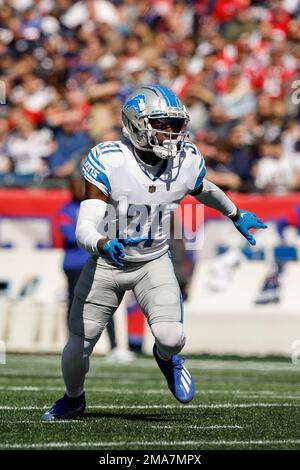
<point>152,189</point>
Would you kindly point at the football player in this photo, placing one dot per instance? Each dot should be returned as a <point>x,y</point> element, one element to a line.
<point>130,187</point>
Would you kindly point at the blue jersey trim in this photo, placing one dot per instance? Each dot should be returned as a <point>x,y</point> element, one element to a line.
<point>181,308</point>
<point>116,150</point>
<point>193,149</point>
<point>93,160</point>
<point>200,176</point>
<point>102,178</point>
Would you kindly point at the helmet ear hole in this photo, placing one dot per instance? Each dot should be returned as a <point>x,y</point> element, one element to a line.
<point>132,127</point>
<point>140,135</point>
<point>143,140</point>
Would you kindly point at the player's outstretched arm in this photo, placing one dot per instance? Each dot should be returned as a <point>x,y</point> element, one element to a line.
<point>91,213</point>
<point>212,196</point>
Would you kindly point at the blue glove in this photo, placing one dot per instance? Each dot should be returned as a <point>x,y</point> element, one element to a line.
<point>245,220</point>
<point>115,247</point>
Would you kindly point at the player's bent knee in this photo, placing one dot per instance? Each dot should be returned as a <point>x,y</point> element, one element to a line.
<point>169,336</point>
<point>89,330</point>
<point>173,342</point>
<point>78,347</point>
<point>92,329</point>
<point>85,320</point>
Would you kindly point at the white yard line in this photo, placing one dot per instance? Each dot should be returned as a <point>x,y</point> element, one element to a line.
<point>39,421</point>
<point>159,406</point>
<point>58,379</point>
<point>99,364</point>
<point>56,374</point>
<point>87,421</point>
<point>150,443</point>
<point>242,393</point>
<point>204,427</point>
<point>212,364</point>
<point>149,362</point>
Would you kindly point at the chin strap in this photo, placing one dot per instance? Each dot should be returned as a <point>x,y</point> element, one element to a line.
<point>168,149</point>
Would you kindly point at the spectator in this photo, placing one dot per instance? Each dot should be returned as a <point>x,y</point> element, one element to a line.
<point>237,98</point>
<point>5,162</point>
<point>28,147</point>
<point>241,153</point>
<point>71,144</point>
<point>69,65</point>
<point>275,172</point>
<point>220,167</point>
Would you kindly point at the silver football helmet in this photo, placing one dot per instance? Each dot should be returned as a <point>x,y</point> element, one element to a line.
<point>151,110</point>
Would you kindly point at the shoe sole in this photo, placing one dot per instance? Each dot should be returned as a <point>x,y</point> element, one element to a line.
<point>73,414</point>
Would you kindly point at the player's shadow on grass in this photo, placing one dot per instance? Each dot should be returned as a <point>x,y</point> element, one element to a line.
<point>155,417</point>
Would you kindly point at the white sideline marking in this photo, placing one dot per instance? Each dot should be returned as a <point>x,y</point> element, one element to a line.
<point>87,421</point>
<point>149,443</point>
<point>203,364</point>
<point>39,421</point>
<point>150,407</point>
<point>54,359</point>
<point>206,427</point>
<point>56,374</point>
<point>242,393</point>
<point>196,364</point>
<point>105,379</point>
<point>229,365</point>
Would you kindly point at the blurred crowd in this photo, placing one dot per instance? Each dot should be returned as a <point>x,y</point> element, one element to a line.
<point>67,66</point>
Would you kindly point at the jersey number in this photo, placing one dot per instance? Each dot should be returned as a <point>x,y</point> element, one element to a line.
<point>150,215</point>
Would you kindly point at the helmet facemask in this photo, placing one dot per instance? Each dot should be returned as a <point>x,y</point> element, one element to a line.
<point>174,129</point>
<point>145,135</point>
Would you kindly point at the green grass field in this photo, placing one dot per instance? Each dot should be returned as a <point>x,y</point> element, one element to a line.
<point>239,404</point>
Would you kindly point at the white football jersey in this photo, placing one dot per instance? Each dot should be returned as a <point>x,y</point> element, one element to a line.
<point>138,204</point>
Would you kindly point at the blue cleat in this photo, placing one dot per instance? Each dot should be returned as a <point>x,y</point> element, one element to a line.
<point>66,407</point>
<point>180,381</point>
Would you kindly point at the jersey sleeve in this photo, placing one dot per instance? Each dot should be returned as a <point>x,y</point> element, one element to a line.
<point>197,167</point>
<point>96,171</point>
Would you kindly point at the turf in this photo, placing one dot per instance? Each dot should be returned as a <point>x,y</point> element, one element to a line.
<point>238,405</point>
